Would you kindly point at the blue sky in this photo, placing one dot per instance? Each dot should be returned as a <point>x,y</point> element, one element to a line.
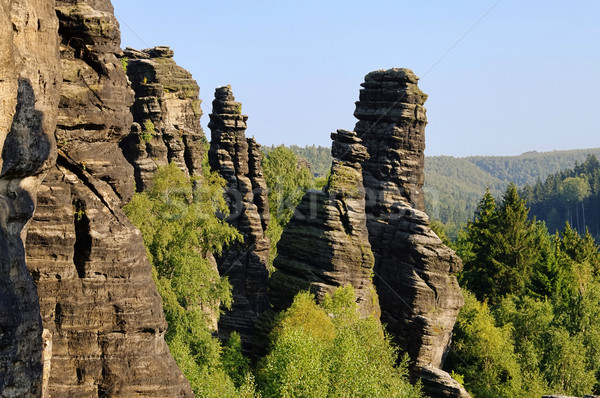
<point>503,77</point>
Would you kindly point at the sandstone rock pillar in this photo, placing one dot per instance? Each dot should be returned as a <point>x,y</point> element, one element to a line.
<point>326,244</point>
<point>414,272</point>
<point>166,115</point>
<point>237,159</point>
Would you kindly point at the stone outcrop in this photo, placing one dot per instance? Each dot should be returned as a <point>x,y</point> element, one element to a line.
<point>29,84</point>
<point>96,294</point>
<point>166,115</point>
<point>326,243</point>
<point>414,272</point>
<point>238,161</point>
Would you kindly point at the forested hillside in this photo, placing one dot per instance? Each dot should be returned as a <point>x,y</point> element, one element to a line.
<point>529,166</point>
<point>529,326</point>
<point>571,195</point>
<point>453,186</point>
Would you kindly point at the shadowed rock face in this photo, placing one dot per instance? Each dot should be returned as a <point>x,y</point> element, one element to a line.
<point>29,84</point>
<point>237,159</point>
<point>96,294</point>
<point>414,271</point>
<point>326,243</point>
<point>166,101</point>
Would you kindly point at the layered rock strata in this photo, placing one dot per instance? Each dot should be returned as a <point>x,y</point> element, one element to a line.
<point>326,243</point>
<point>238,161</point>
<point>166,115</point>
<point>96,294</point>
<point>29,84</point>
<point>414,272</point>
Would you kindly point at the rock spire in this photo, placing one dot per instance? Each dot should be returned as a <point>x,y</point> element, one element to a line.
<point>238,160</point>
<point>414,271</point>
<point>29,93</point>
<point>166,114</point>
<point>326,243</point>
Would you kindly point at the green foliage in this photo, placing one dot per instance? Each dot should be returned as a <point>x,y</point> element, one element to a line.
<point>492,370</point>
<point>319,157</point>
<point>234,362</point>
<point>541,334</point>
<point>124,63</point>
<point>287,181</point>
<point>328,351</point>
<point>453,186</point>
<point>148,131</point>
<point>180,230</point>
<point>500,247</point>
<point>571,195</point>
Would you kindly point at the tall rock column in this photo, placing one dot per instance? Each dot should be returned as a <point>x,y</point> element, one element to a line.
<point>237,159</point>
<point>96,294</point>
<point>414,272</point>
<point>166,115</point>
<point>29,84</point>
<point>326,243</point>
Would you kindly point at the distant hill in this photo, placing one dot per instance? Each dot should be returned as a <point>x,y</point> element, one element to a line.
<point>572,195</point>
<point>528,167</point>
<point>454,186</point>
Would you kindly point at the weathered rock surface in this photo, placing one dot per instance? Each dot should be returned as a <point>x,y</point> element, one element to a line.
<point>237,159</point>
<point>326,244</point>
<point>166,115</point>
<point>414,271</point>
<point>96,294</point>
<point>29,84</point>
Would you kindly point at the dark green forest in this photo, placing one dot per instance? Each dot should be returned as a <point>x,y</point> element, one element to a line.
<point>530,324</point>
<point>571,194</point>
<point>453,186</point>
<point>319,157</point>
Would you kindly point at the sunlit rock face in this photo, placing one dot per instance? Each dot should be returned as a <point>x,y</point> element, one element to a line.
<point>238,160</point>
<point>97,298</point>
<point>326,243</point>
<point>29,85</point>
<point>414,271</point>
<point>166,114</point>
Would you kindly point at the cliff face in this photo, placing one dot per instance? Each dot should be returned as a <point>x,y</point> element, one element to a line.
<point>326,243</point>
<point>237,159</point>
<point>414,272</point>
<point>166,115</point>
<point>96,294</point>
<point>29,83</point>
